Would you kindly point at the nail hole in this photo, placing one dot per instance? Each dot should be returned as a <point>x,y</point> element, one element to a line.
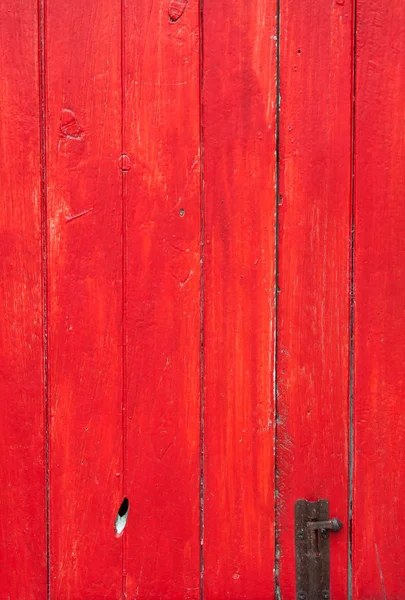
<point>298,51</point>
<point>122,517</point>
<point>181,212</point>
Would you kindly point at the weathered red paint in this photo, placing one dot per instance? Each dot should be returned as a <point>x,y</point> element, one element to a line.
<point>162,298</point>
<point>239,105</point>
<point>83,184</point>
<point>313,281</point>
<point>379,484</point>
<point>22,412</point>
<point>144,352</point>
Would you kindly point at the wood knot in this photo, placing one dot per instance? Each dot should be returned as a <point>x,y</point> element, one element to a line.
<point>69,126</point>
<point>176,9</point>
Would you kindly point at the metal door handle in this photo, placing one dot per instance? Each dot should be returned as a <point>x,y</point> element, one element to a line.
<point>333,524</point>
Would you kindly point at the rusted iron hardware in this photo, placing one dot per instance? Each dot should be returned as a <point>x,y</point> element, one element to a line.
<point>312,553</point>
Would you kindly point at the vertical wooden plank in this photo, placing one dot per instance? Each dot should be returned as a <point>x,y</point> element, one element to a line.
<point>239,103</point>
<point>314,250</point>
<point>162,190</point>
<point>379,487</point>
<point>22,431</point>
<point>83,49</point>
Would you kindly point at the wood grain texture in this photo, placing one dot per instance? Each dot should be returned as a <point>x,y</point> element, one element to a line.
<point>22,415</point>
<point>84,185</point>
<point>379,486</point>
<point>162,191</point>
<point>314,247</point>
<point>160,217</point>
<point>239,99</point>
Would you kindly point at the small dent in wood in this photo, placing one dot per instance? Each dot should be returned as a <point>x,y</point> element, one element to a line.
<point>124,162</point>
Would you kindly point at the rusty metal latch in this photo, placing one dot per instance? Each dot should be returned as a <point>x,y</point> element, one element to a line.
<point>312,554</point>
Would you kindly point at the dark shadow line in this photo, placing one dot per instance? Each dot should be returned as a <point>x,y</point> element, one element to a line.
<point>277,590</point>
<point>352,306</point>
<point>44,260</point>
<point>124,383</point>
<point>202,298</point>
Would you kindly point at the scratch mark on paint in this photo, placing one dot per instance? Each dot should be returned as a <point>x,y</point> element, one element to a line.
<point>68,219</point>
<point>182,283</point>
<point>191,170</point>
<point>380,570</point>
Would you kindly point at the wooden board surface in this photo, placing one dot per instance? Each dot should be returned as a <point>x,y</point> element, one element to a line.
<point>84,185</point>
<point>22,413</point>
<point>162,297</point>
<point>379,485</point>
<point>239,101</point>
<point>313,273</point>
<point>140,244</point>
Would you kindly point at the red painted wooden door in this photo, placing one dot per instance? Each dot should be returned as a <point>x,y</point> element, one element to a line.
<point>203,296</point>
